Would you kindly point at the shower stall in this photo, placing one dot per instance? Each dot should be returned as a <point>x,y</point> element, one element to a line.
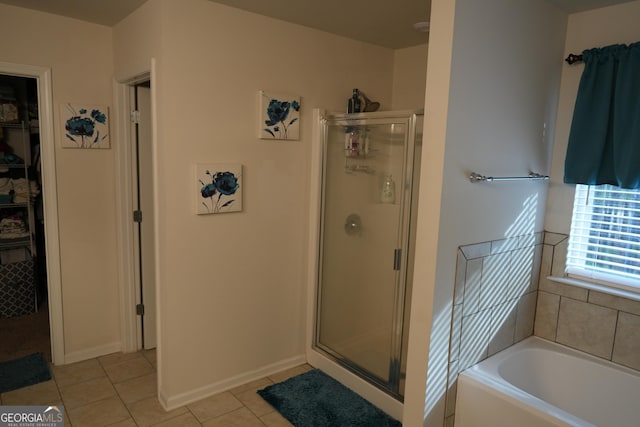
<point>369,193</point>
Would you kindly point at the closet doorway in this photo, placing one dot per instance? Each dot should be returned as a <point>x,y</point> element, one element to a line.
<point>30,291</point>
<point>144,234</point>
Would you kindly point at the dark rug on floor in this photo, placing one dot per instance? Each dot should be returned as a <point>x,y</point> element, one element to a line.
<point>28,370</point>
<point>314,399</point>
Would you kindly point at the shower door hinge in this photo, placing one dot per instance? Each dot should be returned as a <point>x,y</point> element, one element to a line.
<point>135,117</point>
<point>137,216</point>
<point>140,309</point>
<point>397,255</point>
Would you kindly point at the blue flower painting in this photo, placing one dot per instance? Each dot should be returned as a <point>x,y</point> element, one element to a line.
<point>85,126</point>
<point>219,188</point>
<point>279,116</point>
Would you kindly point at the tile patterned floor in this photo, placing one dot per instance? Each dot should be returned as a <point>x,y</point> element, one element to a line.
<point>121,389</point>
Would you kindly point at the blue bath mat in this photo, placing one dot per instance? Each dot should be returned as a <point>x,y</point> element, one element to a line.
<point>27,370</point>
<point>314,399</point>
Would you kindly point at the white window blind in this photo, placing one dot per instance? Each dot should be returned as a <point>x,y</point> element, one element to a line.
<point>604,243</point>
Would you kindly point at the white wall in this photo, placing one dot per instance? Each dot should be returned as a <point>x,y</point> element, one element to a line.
<point>80,57</point>
<point>585,30</point>
<point>409,69</point>
<point>502,92</point>
<point>232,286</point>
<point>137,39</point>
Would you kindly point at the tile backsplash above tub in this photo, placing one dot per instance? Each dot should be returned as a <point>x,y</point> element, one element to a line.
<point>494,302</point>
<point>600,324</point>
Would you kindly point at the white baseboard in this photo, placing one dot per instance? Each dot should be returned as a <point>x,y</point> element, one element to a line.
<point>172,402</point>
<point>90,353</point>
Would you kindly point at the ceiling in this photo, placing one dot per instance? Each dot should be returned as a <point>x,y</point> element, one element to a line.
<point>383,22</point>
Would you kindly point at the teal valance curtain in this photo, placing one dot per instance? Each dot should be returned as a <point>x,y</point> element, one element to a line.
<point>604,142</point>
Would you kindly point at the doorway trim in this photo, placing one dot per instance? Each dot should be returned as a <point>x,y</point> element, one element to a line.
<point>130,325</point>
<point>50,200</point>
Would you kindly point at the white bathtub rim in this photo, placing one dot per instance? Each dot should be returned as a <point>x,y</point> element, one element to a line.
<point>492,363</point>
<point>488,373</point>
<point>523,400</point>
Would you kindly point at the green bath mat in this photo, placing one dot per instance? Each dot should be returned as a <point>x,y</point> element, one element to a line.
<point>27,370</point>
<point>314,399</point>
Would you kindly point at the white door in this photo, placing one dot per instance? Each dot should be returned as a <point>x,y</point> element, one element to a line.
<point>145,229</point>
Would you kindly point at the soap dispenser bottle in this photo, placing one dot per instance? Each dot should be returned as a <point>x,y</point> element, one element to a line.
<point>354,102</point>
<point>388,193</point>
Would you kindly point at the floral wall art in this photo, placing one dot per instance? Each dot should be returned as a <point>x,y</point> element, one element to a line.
<point>219,188</point>
<point>279,116</point>
<point>85,126</point>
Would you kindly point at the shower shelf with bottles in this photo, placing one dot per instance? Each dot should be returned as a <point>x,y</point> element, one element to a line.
<point>357,151</point>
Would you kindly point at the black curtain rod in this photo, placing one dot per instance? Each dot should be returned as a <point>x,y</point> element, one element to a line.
<point>572,58</point>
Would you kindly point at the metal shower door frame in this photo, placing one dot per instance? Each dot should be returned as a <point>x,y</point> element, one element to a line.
<point>408,119</point>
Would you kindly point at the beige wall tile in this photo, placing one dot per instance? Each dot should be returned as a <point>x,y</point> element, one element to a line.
<point>531,239</point>
<point>626,349</point>
<point>504,245</point>
<point>473,286</point>
<point>562,289</point>
<point>461,273</point>
<point>477,250</point>
<point>586,327</point>
<point>546,322</point>
<point>559,259</point>
<point>456,331</point>
<point>617,303</point>
<point>522,262</point>
<point>554,238</point>
<point>535,272</point>
<point>474,339</point>
<point>546,260</point>
<point>525,316</point>
<point>503,326</point>
<point>497,280</point>
<point>450,399</point>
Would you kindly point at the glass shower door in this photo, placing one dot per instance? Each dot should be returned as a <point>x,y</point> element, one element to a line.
<point>362,267</point>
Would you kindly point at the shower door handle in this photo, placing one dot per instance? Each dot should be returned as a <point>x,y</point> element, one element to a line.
<point>397,255</point>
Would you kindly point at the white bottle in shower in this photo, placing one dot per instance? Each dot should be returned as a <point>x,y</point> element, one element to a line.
<point>388,193</point>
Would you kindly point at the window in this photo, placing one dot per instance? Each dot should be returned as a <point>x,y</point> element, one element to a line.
<point>604,244</point>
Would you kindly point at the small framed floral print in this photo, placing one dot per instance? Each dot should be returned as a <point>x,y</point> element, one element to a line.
<point>279,116</point>
<point>85,126</point>
<point>218,188</point>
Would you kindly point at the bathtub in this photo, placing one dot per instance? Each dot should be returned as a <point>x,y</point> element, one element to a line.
<point>538,383</point>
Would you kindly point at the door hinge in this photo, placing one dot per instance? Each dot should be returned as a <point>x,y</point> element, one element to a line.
<point>140,309</point>
<point>137,216</point>
<point>135,116</point>
<point>397,255</point>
